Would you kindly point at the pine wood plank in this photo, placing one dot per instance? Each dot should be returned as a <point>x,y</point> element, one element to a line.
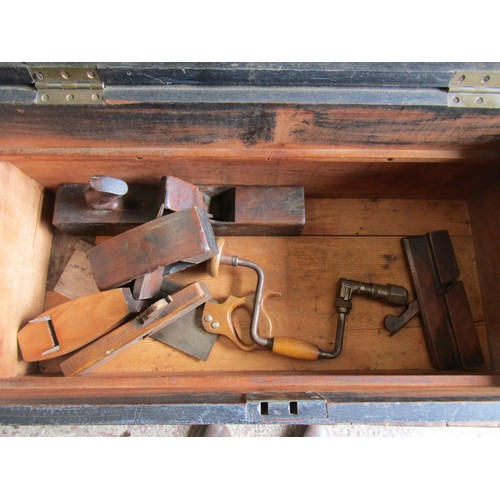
<point>305,271</point>
<point>383,217</point>
<point>485,216</point>
<point>338,177</point>
<point>25,236</point>
<point>241,125</point>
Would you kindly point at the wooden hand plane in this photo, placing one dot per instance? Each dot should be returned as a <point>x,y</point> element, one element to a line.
<point>175,241</point>
<point>450,334</point>
<point>154,318</point>
<point>69,326</point>
<point>110,206</point>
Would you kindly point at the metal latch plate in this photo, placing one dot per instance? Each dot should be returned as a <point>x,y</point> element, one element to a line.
<point>293,408</point>
<point>475,89</point>
<point>72,85</point>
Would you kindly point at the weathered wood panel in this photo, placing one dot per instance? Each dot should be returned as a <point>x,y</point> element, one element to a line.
<point>259,125</point>
<point>485,218</point>
<point>25,237</point>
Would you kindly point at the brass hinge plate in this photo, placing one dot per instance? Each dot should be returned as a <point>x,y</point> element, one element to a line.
<point>72,85</point>
<point>475,89</point>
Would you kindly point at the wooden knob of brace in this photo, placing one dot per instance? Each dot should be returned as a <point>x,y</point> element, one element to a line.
<point>214,263</point>
<point>295,348</point>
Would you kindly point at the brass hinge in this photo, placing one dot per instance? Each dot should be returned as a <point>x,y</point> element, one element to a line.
<point>475,89</point>
<point>72,85</point>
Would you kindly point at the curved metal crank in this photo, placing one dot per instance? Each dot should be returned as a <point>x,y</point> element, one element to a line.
<point>301,349</point>
<point>217,318</point>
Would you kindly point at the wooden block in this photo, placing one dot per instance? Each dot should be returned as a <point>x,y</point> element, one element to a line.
<point>260,210</point>
<point>466,339</point>
<point>173,241</point>
<point>73,324</point>
<point>240,210</point>
<point>177,195</point>
<point>73,215</point>
<point>156,317</point>
<point>448,322</point>
<point>77,279</point>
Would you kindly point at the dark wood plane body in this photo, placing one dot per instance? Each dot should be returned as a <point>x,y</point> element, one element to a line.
<point>174,241</point>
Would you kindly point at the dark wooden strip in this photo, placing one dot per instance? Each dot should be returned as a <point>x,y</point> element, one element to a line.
<point>435,74</point>
<point>241,125</point>
<point>438,333</point>
<point>321,179</point>
<point>485,218</point>
<point>467,341</point>
<point>174,239</point>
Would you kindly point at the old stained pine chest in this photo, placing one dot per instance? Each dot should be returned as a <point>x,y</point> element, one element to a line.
<point>383,152</point>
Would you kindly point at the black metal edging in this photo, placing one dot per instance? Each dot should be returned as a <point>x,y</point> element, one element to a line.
<point>387,84</point>
<point>379,412</point>
<point>150,94</point>
<point>267,74</point>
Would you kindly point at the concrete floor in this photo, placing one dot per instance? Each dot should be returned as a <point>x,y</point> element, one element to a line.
<point>247,431</point>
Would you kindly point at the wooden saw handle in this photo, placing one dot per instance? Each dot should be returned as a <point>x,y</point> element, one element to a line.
<point>217,319</point>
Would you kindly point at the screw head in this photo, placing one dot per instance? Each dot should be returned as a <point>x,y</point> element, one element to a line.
<point>39,75</point>
<point>95,97</point>
<point>455,100</point>
<point>215,325</point>
<point>70,97</point>
<point>480,100</point>
<point>65,75</point>
<point>91,74</point>
<point>45,97</point>
<point>208,318</point>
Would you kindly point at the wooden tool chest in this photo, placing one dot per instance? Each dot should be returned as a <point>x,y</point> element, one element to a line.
<point>383,152</point>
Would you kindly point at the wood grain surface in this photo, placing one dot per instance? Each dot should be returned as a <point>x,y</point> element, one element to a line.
<point>25,236</point>
<point>158,315</point>
<point>76,323</point>
<point>230,125</point>
<point>184,236</point>
<point>305,270</point>
<point>485,216</point>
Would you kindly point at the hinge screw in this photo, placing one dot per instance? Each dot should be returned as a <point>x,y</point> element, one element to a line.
<point>70,97</point>
<point>91,74</point>
<point>39,75</point>
<point>456,100</point>
<point>65,75</point>
<point>485,79</point>
<point>95,97</point>
<point>45,97</point>
<point>480,100</point>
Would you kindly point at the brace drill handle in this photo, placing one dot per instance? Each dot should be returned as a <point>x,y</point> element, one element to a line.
<point>390,294</point>
<point>301,349</point>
